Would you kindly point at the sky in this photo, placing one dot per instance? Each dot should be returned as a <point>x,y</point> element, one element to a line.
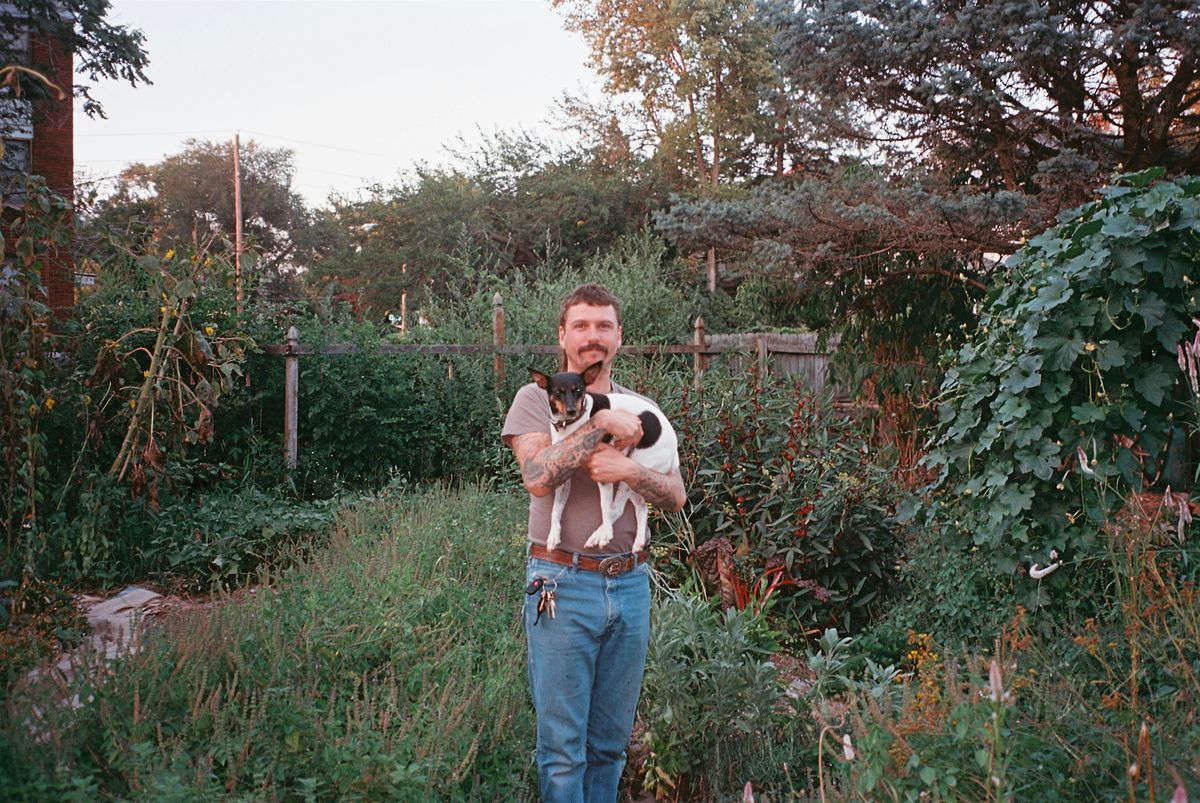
<point>360,91</point>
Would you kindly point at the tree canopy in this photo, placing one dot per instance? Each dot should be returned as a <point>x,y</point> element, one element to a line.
<point>189,196</point>
<point>101,49</point>
<point>998,87</point>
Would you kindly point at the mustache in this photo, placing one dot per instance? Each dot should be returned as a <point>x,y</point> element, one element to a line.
<point>594,347</point>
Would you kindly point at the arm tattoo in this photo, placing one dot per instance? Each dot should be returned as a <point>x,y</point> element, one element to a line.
<point>553,464</point>
<point>661,490</point>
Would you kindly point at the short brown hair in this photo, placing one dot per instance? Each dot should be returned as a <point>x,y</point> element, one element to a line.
<point>594,295</point>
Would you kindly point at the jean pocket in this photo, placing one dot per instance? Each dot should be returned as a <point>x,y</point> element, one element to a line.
<point>544,569</point>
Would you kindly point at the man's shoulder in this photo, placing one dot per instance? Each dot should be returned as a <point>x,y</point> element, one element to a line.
<point>621,389</point>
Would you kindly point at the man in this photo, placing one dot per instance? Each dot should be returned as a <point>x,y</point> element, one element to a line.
<point>587,651</point>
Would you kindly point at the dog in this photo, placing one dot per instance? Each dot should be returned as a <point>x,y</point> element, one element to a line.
<point>570,406</point>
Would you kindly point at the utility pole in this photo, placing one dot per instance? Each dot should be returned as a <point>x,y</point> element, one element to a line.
<point>237,215</point>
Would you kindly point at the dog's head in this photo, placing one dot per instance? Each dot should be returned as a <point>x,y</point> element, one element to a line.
<point>567,392</point>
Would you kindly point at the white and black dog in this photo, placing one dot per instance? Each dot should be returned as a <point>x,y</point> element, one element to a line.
<point>570,406</point>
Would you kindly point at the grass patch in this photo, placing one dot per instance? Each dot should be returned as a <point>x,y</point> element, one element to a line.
<point>390,666</point>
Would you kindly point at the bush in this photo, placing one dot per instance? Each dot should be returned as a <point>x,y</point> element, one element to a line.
<point>791,485</point>
<point>710,696</point>
<point>1062,403</point>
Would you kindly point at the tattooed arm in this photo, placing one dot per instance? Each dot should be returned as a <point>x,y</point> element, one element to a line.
<point>664,491</point>
<point>545,465</point>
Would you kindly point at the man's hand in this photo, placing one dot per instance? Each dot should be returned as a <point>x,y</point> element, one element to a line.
<point>664,491</point>
<point>609,464</point>
<point>624,427</point>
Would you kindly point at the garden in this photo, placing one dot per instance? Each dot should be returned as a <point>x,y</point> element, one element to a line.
<point>964,568</point>
<point>1011,615</point>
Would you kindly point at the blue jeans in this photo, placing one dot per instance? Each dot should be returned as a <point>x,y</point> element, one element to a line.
<point>585,675</point>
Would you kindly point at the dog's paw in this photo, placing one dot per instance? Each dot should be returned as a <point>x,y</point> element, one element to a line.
<point>600,537</point>
<point>640,541</point>
<point>554,538</point>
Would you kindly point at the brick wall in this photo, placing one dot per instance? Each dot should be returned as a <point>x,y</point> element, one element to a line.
<point>53,156</point>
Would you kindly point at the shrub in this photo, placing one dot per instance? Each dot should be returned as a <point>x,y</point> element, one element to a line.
<point>1062,403</point>
<point>710,694</point>
<point>795,486</point>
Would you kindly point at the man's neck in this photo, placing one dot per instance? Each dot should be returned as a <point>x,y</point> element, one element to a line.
<point>603,383</point>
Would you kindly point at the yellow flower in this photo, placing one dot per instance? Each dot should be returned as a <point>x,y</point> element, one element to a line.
<point>1089,346</point>
<point>210,331</point>
<point>171,254</point>
<point>145,374</point>
<point>33,409</point>
<point>132,404</point>
<point>49,404</point>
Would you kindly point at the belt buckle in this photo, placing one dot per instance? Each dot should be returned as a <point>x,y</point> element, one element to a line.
<point>611,567</point>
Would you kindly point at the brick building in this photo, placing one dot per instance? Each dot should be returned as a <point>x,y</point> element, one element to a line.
<point>39,139</point>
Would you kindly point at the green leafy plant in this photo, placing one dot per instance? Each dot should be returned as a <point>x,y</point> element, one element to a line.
<point>710,689</point>
<point>1070,377</point>
<point>26,345</point>
<point>389,666</point>
<point>793,486</point>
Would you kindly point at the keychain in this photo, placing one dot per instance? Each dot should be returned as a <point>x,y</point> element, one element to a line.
<point>546,604</point>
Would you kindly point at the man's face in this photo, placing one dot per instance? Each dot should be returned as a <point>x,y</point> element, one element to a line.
<point>589,334</point>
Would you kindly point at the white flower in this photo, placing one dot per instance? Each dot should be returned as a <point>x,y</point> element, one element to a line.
<point>1037,572</point>
<point>1083,461</point>
<point>847,747</point>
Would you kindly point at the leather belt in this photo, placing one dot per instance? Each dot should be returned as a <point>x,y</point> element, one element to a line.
<point>609,567</point>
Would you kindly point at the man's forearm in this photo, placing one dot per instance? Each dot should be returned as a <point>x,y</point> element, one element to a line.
<point>664,491</point>
<point>554,465</point>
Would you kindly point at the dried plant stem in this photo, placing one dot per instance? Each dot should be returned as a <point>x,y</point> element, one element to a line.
<point>125,454</point>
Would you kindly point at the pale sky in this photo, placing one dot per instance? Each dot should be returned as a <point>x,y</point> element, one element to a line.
<point>359,90</point>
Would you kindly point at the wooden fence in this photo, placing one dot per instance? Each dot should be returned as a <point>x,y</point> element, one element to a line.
<point>786,354</point>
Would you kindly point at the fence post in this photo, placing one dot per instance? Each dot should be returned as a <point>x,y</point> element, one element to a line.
<point>291,397</point>
<point>699,360</point>
<point>760,342</point>
<point>498,340</point>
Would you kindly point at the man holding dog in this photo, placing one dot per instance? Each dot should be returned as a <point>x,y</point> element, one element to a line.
<point>587,612</point>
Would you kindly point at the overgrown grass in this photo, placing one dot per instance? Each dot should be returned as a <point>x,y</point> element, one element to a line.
<point>390,667</point>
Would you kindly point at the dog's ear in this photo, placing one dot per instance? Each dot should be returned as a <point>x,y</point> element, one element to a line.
<point>540,379</point>
<point>591,372</point>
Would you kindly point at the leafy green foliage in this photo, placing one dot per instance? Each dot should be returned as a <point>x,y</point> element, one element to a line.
<point>508,207</point>
<point>709,690</point>
<point>26,362</point>
<point>791,484</point>
<point>37,618</point>
<point>1062,402</point>
<point>168,202</point>
<point>986,86</point>
<point>99,48</point>
<point>390,667</point>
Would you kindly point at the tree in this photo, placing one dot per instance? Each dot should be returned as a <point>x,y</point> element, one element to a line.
<point>511,203</point>
<point>189,197</point>
<point>1001,86</point>
<point>977,124</point>
<point>100,48</point>
<point>701,70</point>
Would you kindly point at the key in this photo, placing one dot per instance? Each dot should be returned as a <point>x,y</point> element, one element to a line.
<point>552,603</point>
<point>541,608</point>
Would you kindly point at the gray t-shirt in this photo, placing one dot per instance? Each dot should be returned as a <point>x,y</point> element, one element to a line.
<point>530,412</point>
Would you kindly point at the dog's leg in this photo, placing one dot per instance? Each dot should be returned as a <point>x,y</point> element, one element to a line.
<point>603,533</point>
<point>560,501</point>
<point>643,526</point>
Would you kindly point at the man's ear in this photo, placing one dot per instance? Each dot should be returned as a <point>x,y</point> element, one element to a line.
<point>591,372</point>
<point>540,379</point>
